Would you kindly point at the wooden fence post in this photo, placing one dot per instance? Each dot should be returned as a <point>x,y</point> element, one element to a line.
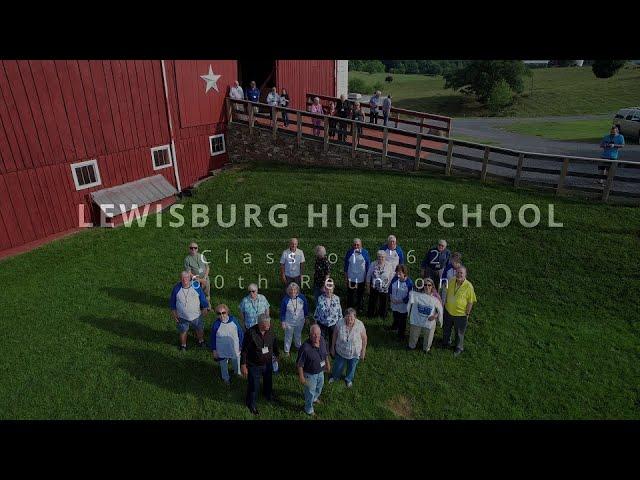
<point>229,110</point>
<point>355,135</point>
<point>563,174</point>
<point>485,164</point>
<point>326,133</point>
<point>516,180</point>
<point>609,182</point>
<point>251,118</point>
<point>418,150</point>
<point>449,127</point>
<point>298,129</point>
<point>397,118</point>
<point>421,124</point>
<point>385,144</point>
<point>449,158</point>
<point>274,120</point>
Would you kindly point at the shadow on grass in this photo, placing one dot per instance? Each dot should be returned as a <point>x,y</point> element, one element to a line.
<point>130,329</point>
<point>178,374</point>
<point>132,295</point>
<point>184,374</point>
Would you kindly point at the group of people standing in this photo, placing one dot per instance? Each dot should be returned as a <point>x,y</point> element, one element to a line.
<point>342,109</point>
<point>337,338</point>
<point>345,110</point>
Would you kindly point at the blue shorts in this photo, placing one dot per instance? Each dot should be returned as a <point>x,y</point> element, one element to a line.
<point>184,325</point>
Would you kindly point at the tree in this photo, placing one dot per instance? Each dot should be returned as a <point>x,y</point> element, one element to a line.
<point>607,68</point>
<point>500,97</point>
<point>479,77</point>
<point>357,85</point>
<point>373,66</point>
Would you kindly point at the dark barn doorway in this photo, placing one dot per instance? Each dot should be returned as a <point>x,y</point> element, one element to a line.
<point>263,72</point>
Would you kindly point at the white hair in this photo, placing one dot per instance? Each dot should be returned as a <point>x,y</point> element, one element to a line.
<point>264,318</point>
<point>391,237</point>
<point>321,251</point>
<point>185,274</point>
<point>291,286</point>
<point>442,242</point>
<point>381,252</point>
<point>357,240</point>
<point>252,286</point>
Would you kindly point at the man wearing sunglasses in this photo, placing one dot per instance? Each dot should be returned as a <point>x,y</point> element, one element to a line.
<point>199,268</point>
<point>226,338</point>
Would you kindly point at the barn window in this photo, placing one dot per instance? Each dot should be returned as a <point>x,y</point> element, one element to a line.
<point>86,174</point>
<point>217,145</point>
<point>161,157</point>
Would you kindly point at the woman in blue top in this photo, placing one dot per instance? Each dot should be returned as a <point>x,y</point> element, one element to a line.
<point>399,289</point>
<point>328,311</point>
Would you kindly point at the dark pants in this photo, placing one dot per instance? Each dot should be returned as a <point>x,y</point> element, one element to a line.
<point>373,116</point>
<point>460,323</point>
<point>355,292</point>
<point>285,118</point>
<point>332,128</point>
<point>342,131</point>
<point>385,117</point>
<point>435,276</point>
<point>400,323</point>
<point>255,373</point>
<point>327,333</point>
<point>377,303</point>
<point>297,280</point>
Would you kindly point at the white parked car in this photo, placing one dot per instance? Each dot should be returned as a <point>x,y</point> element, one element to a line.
<point>628,122</point>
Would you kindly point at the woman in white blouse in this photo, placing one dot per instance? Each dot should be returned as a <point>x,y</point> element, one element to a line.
<point>424,310</point>
<point>348,346</point>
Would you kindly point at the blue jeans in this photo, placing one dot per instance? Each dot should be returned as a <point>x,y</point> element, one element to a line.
<point>312,389</point>
<point>184,325</point>
<point>224,368</point>
<point>338,365</point>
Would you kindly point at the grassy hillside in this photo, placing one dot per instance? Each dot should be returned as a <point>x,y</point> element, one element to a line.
<point>555,335</point>
<point>551,91</point>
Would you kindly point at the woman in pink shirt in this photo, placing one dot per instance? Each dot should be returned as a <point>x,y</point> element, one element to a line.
<point>316,108</point>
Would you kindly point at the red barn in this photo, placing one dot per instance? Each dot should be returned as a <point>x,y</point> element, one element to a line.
<point>133,131</point>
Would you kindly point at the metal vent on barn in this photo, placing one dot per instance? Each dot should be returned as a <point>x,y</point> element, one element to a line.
<point>122,198</point>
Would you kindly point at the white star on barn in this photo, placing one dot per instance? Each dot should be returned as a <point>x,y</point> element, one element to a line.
<point>211,79</point>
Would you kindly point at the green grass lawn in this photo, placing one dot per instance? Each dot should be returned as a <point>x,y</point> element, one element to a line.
<point>589,131</point>
<point>550,91</point>
<point>555,335</point>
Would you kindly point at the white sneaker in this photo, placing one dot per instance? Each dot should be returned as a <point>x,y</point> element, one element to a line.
<point>331,380</point>
<point>349,384</point>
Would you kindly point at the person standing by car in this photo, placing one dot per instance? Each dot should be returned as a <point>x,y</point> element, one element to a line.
<point>611,145</point>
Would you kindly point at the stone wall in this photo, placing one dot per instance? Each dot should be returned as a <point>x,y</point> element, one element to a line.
<point>260,146</point>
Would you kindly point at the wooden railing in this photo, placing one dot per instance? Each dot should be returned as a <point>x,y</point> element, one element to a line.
<point>429,122</point>
<point>559,173</point>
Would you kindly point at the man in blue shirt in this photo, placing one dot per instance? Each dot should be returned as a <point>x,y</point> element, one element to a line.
<point>611,145</point>
<point>253,95</point>
<point>356,266</point>
<point>312,362</point>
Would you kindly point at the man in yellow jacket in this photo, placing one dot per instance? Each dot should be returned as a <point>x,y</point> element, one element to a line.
<point>460,299</point>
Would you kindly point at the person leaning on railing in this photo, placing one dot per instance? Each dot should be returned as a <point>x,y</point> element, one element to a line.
<point>253,95</point>
<point>374,102</point>
<point>273,100</point>
<point>358,115</point>
<point>237,93</point>
<point>284,102</point>
<point>316,108</point>
<point>343,108</point>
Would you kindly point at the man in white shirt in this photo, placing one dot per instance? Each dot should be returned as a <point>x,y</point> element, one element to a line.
<point>188,307</point>
<point>237,93</point>
<point>273,99</point>
<point>292,264</point>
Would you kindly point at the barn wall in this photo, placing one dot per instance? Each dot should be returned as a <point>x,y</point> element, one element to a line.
<point>302,76</point>
<point>55,113</point>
